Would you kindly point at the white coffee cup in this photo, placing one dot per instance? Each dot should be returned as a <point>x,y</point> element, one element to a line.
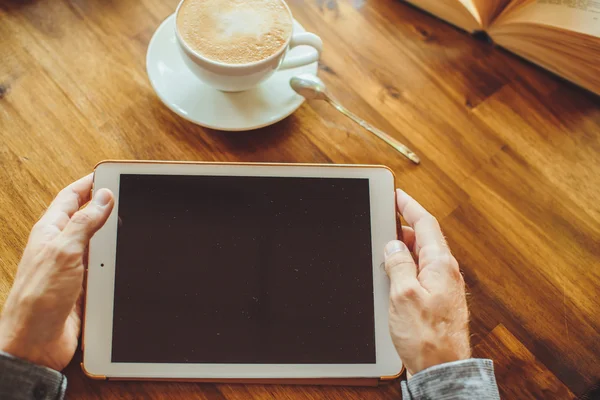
<point>239,77</point>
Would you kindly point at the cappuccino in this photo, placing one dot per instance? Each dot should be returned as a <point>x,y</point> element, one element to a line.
<point>234,31</point>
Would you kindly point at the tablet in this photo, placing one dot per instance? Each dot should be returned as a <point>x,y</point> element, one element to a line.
<point>209,271</point>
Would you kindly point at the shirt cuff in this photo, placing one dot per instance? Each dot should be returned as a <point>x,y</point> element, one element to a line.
<point>465,379</point>
<point>20,379</point>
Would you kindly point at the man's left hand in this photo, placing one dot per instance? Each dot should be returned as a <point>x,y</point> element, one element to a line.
<point>41,319</point>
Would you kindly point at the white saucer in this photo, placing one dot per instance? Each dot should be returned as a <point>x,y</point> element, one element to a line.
<point>189,97</point>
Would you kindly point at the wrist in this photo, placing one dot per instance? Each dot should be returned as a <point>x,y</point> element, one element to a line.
<point>25,353</point>
<point>16,350</point>
<point>14,341</point>
<point>434,354</point>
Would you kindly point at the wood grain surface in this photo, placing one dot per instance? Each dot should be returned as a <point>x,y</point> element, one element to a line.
<point>511,164</point>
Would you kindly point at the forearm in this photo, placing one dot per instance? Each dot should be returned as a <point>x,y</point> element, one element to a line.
<point>458,380</point>
<point>21,380</point>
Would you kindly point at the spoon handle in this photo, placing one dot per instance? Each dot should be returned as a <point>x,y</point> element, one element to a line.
<point>401,148</point>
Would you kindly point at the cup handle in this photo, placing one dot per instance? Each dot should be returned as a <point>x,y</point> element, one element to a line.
<point>307,39</point>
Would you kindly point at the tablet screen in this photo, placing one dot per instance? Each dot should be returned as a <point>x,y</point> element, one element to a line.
<point>218,269</point>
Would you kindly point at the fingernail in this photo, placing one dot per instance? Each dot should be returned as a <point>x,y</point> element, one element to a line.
<point>395,246</point>
<point>102,197</point>
<point>401,193</point>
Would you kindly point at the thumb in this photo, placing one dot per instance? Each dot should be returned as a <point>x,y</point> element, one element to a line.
<point>85,222</point>
<point>400,268</point>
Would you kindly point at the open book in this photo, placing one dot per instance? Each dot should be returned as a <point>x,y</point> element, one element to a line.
<point>562,36</point>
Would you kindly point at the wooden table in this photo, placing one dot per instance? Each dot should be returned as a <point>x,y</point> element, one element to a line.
<point>511,163</point>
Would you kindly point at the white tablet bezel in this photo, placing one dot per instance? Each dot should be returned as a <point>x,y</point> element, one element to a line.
<point>101,273</point>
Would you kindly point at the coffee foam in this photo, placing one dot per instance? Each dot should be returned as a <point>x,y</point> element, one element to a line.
<point>234,31</point>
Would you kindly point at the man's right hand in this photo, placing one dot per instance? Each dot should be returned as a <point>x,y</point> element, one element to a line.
<point>428,307</point>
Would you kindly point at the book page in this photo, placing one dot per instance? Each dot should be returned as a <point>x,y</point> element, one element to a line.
<point>582,16</point>
<point>575,49</point>
<point>456,12</point>
<point>487,10</point>
<point>581,70</point>
<point>513,5</point>
<point>470,6</point>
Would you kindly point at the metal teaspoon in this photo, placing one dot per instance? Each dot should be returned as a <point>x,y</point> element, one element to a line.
<point>312,88</point>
